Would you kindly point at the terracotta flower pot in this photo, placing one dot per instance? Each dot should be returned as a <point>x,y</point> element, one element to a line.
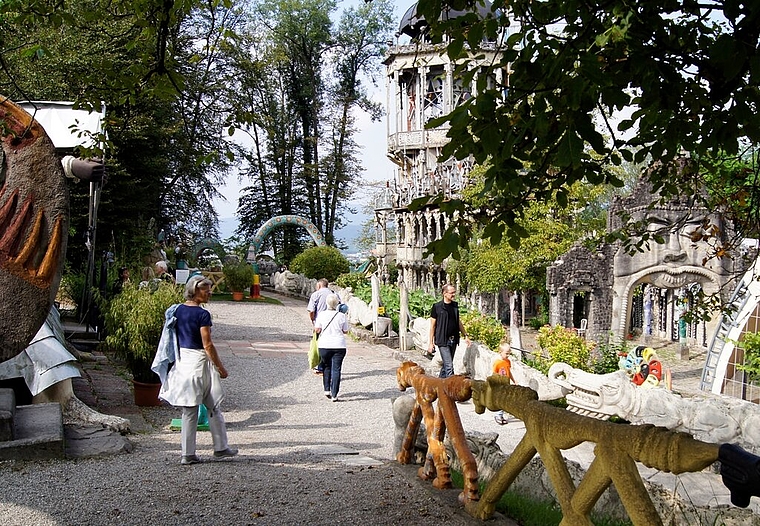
<point>146,395</point>
<point>237,296</point>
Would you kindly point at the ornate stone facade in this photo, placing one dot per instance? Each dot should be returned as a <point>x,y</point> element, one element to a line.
<point>648,292</point>
<point>580,286</point>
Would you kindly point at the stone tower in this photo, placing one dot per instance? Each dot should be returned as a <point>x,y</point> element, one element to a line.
<point>422,85</point>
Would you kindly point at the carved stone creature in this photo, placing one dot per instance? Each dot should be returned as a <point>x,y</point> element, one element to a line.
<point>534,483</point>
<point>34,215</point>
<point>34,219</point>
<point>445,416</point>
<point>711,418</point>
<point>290,283</point>
<point>549,430</point>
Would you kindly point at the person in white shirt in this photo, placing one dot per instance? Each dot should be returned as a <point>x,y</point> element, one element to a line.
<point>316,305</point>
<point>332,326</point>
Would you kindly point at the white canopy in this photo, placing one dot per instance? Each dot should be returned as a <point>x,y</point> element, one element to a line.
<point>58,117</point>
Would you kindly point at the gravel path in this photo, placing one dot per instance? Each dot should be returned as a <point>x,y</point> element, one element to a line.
<point>303,459</point>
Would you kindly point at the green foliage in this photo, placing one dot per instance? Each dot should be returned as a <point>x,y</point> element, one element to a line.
<point>559,344</point>
<point>354,280</point>
<point>751,344</point>
<point>420,303</point>
<point>238,276</point>
<point>133,323</point>
<point>391,302</point>
<point>72,286</point>
<point>320,262</point>
<point>549,230</point>
<point>537,128</point>
<point>484,329</point>
<point>606,357</point>
<point>539,321</point>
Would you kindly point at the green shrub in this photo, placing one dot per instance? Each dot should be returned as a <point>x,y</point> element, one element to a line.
<point>606,357</point>
<point>420,303</point>
<point>390,298</point>
<point>238,276</point>
<point>751,345</point>
<point>134,320</point>
<point>539,321</point>
<point>72,287</point>
<point>484,329</point>
<point>559,344</point>
<point>320,262</point>
<point>355,280</point>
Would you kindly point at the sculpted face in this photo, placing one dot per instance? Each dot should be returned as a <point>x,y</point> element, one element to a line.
<point>595,395</point>
<point>681,249</point>
<point>33,228</point>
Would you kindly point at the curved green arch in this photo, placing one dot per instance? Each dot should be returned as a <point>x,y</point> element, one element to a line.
<point>279,221</point>
<point>206,243</point>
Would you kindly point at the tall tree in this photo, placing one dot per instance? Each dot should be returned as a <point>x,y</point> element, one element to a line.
<point>263,112</point>
<point>302,29</point>
<point>360,42</point>
<point>300,84</point>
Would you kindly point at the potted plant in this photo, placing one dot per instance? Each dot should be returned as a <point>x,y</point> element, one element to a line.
<point>133,323</point>
<point>238,277</point>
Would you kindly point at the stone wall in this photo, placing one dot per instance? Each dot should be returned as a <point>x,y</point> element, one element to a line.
<point>589,274</point>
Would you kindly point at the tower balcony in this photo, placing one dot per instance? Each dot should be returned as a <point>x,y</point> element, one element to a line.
<point>417,140</point>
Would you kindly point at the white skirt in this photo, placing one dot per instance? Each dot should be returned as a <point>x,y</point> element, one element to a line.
<point>193,380</point>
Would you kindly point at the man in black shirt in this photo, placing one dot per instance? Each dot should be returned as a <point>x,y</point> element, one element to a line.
<point>445,327</point>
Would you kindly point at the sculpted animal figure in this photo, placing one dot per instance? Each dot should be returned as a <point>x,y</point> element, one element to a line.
<point>34,222</point>
<point>437,420</point>
<point>618,447</point>
<point>708,417</point>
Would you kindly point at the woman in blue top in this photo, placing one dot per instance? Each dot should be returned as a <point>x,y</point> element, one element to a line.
<point>332,326</point>
<point>196,374</point>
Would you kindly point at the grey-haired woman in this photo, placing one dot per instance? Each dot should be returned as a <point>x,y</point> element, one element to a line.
<point>195,376</point>
<point>332,326</point>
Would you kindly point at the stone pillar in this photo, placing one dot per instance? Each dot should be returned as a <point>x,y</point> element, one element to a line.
<point>403,315</point>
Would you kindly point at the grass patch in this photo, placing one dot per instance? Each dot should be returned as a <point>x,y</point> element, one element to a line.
<point>226,296</point>
<point>529,512</point>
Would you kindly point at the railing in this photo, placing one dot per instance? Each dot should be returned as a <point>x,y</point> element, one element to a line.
<point>417,139</point>
<point>216,278</point>
<point>549,430</point>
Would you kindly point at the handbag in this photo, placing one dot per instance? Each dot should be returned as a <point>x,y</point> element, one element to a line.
<point>313,352</point>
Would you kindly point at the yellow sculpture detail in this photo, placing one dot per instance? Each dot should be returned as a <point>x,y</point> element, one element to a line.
<point>618,447</point>
<point>447,391</point>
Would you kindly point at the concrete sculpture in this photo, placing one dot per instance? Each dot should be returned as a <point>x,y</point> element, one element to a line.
<point>606,286</point>
<point>34,215</point>
<point>438,420</point>
<point>710,418</point>
<point>34,219</point>
<point>618,447</point>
